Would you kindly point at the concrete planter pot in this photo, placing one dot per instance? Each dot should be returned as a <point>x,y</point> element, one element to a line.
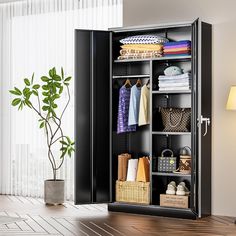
<point>54,191</point>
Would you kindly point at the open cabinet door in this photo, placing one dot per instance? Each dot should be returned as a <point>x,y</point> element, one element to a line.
<point>92,76</point>
<point>202,75</point>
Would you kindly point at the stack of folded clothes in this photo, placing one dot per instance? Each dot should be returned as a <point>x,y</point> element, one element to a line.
<point>142,46</point>
<point>179,48</point>
<point>174,82</point>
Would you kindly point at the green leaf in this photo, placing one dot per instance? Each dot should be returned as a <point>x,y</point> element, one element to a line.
<point>62,73</point>
<point>45,100</point>
<point>15,92</point>
<point>68,140</point>
<point>36,86</point>
<point>21,106</point>
<point>45,79</point>
<point>26,91</point>
<point>45,93</point>
<point>41,125</point>
<point>32,78</point>
<point>67,84</point>
<point>28,103</point>
<point>54,105</point>
<point>35,92</point>
<point>52,72</point>
<point>27,82</point>
<point>63,154</point>
<point>45,108</point>
<point>55,96</point>
<point>45,87</point>
<point>58,85</point>
<point>73,143</point>
<point>63,142</point>
<point>16,101</point>
<point>67,79</point>
<point>61,90</point>
<point>69,152</point>
<point>57,78</point>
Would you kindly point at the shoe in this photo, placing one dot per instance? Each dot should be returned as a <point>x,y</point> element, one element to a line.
<point>182,190</point>
<point>171,188</point>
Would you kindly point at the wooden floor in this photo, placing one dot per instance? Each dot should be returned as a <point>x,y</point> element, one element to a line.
<point>70,220</point>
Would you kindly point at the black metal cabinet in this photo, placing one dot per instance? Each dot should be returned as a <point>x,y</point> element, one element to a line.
<point>98,77</point>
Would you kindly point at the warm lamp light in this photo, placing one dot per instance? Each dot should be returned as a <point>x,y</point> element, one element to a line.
<point>231,103</point>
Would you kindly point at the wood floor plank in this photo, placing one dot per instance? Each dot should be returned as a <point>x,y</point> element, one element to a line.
<point>95,220</point>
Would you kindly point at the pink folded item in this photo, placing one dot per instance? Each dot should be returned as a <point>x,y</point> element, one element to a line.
<point>178,46</point>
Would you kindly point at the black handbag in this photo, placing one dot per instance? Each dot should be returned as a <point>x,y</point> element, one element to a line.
<point>176,119</point>
<point>167,164</point>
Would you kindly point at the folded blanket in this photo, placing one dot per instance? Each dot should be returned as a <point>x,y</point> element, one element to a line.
<point>173,85</point>
<point>175,88</point>
<point>177,43</point>
<point>179,55</point>
<point>130,51</point>
<point>142,46</point>
<point>179,52</point>
<point>173,81</point>
<point>177,46</point>
<point>139,56</point>
<point>177,49</point>
<point>174,77</point>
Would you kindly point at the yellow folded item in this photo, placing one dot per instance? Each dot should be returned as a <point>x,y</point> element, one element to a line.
<point>143,46</point>
<point>131,51</point>
<point>143,173</point>
<point>176,49</point>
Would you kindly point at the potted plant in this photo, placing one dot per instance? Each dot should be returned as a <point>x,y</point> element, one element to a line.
<point>43,99</point>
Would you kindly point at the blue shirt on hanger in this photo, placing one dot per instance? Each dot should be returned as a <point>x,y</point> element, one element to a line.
<point>134,105</point>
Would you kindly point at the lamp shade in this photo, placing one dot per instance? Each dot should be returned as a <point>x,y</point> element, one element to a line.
<point>231,103</point>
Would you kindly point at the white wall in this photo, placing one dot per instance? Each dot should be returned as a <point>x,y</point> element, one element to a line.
<point>222,14</point>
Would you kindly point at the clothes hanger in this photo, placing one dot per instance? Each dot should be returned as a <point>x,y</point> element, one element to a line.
<point>127,84</point>
<point>139,83</point>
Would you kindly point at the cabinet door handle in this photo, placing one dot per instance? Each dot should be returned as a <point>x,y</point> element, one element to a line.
<point>207,122</point>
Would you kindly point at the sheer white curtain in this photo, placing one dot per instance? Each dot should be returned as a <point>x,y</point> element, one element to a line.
<point>37,35</point>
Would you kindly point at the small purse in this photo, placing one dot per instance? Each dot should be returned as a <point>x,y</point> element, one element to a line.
<point>167,164</point>
<point>185,160</point>
<point>176,119</point>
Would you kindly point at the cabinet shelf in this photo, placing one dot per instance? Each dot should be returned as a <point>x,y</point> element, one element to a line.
<point>164,58</point>
<point>172,92</point>
<point>171,174</point>
<point>130,76</point>
<point>170,133</point>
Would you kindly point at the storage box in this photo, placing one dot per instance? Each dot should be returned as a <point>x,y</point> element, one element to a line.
<point>174,201</point>
<point>133,192</point>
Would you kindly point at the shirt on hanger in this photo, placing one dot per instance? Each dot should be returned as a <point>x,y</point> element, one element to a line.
<point>134,105</point>
<point>144,117</point>
<point>123,111</point>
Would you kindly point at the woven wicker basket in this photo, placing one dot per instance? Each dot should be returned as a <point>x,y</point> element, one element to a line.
<point>133,192</point>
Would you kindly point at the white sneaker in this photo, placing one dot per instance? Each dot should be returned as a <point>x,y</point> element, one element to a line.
<point>171,188</point>
<point>182,190</point>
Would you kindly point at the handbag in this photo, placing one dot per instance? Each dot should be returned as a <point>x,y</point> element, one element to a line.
<point>143,173</point>
<point>185,160</point>
<point>167,164</point>
<point>123,166</point>
<point>176,119</point>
